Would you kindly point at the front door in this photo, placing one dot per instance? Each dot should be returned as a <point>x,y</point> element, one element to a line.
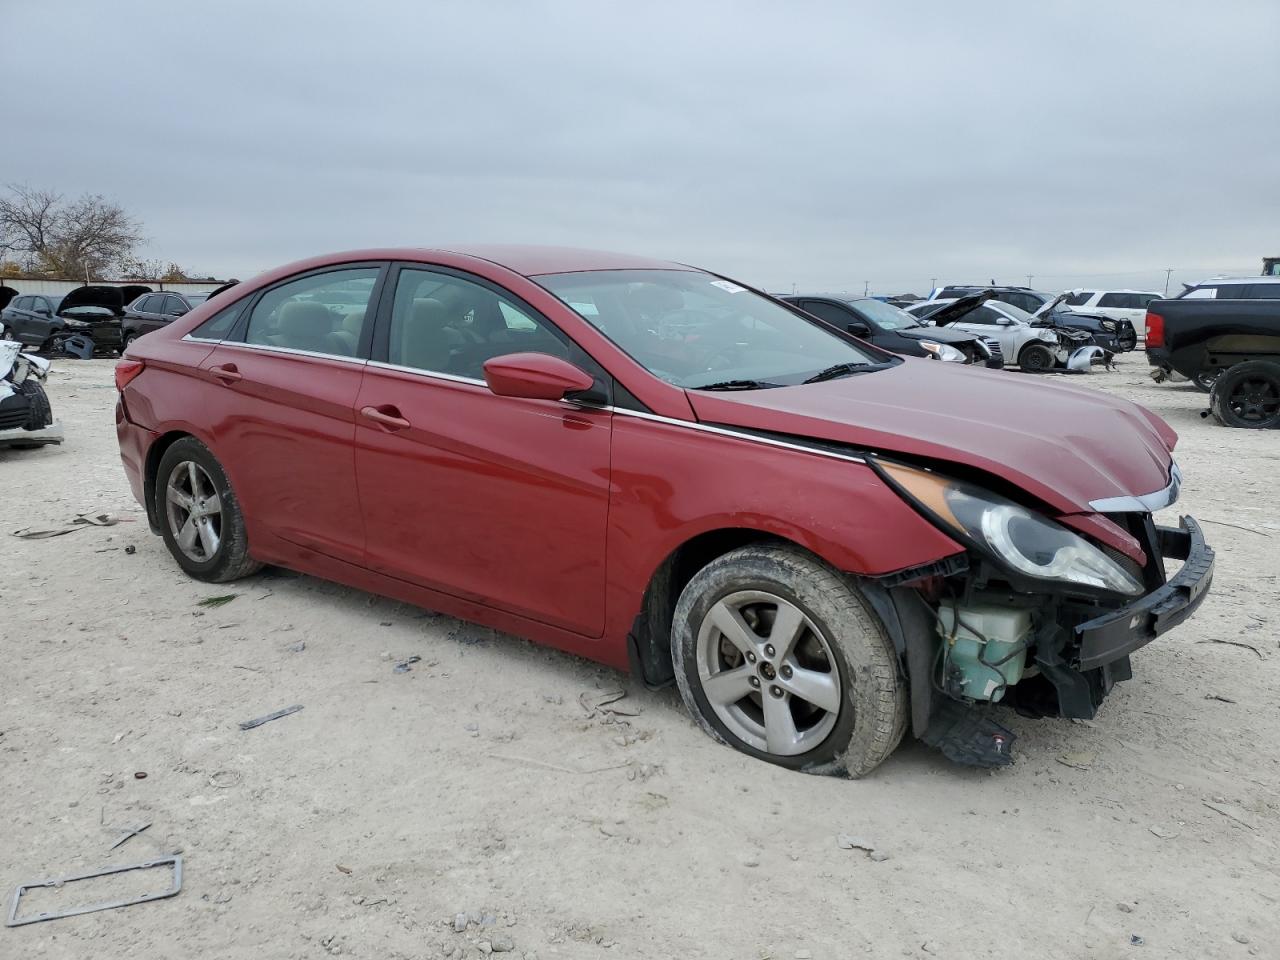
<point>283,390</point>
<point>497,500</point>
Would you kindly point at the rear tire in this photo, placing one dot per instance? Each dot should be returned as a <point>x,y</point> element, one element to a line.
<point>1247,395</point>
<point>1035,358</point>
<point>823,693</point>
<point>41,414</point>
<point>199,515</point>
<point>1205,379</point>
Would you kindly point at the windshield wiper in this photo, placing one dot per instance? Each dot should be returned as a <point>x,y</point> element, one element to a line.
<point>736,385</point>
<point>843,370</point>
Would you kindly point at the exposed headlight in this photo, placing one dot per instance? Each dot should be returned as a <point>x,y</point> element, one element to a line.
<point>1110,326</point>
<point>1049,336</point>
<point>943,351</point>
<point>1021,540</point>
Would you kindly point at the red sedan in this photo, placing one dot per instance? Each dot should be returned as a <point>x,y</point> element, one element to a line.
<point>822,544</point>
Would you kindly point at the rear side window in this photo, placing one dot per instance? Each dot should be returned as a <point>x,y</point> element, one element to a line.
<point>1201,293</point>
<point>173,306</point>
<point>981,314</point>
<point>220,325</point>
<point>1114,300</point>
<point>21,303</point>
<point>1261,291</point>
<point>836,316</point>
<point>1079,299</point>
<point>321,313</point>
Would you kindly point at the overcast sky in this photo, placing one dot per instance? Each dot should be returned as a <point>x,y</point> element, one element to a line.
<point>817,143</point>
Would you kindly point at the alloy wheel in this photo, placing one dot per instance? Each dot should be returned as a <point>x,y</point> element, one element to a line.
<point>194,511</point>
<point>1255,399</point>
<point>768,673</point>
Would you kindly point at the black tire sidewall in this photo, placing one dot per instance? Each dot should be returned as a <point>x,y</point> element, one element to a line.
<point>183,450</point>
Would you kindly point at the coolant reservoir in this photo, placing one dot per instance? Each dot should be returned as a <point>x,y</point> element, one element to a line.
<point>985,632</point>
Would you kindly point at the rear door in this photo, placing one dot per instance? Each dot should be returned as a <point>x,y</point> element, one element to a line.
<point>171,308</point>
<point>498,500</point>
<point>283,387</point>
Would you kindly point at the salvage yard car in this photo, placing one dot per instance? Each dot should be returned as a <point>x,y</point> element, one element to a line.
<point>91,312</point>
<point>1034,348</point>
<point>820,543</point>
<point>896,330</point>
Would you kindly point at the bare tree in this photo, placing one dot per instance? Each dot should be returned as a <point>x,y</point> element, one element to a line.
<point>80,238</point>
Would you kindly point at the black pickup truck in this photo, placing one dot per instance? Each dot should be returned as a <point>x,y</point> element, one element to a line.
<point>1225,336</point>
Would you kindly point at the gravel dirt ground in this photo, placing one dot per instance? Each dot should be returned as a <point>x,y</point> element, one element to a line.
<point>485,781</point>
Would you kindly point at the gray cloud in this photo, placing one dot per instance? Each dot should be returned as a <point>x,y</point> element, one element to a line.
<point>820,143</point>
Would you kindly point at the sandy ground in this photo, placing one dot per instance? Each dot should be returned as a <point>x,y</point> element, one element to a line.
<point>477,783</point>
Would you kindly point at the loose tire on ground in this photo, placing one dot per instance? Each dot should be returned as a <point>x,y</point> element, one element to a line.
<point>841,656</point>
<point>188,470</point>
<point>1247,395</point>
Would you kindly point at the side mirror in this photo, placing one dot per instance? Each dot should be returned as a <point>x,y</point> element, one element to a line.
<point>534,376</point>
<point>1004,322</point>
<point>858,329</point>
<point>43,311</point>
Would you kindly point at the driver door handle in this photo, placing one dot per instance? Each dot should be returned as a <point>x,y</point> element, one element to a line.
<point>386,417</point>
<point>227,373</point>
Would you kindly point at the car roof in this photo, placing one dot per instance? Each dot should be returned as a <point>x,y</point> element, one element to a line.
<point>1110,290</point>
<point>532,261</point>
<point>1261,279</point>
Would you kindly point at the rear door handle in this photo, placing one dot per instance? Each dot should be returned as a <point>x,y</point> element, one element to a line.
<point>386,417</point>
<point>227,373</point>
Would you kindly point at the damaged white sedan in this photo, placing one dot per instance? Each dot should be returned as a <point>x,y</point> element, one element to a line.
<point>26,416</point>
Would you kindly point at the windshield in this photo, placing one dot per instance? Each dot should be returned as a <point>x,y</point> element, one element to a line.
<point>694,330</point>
<point>885,315</point>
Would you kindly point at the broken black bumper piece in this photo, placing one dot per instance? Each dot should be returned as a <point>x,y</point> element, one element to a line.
<point>1118,633</point>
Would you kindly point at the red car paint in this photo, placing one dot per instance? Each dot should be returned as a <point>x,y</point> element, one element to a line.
<point>549,520</point>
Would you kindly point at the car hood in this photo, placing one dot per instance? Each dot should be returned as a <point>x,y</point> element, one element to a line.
<point>113,298</point>
<point>957,308</point>
<point>1063,445</point>
<point>938,334</point>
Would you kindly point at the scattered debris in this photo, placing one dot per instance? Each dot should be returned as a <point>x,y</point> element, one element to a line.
<point>129,835</point>
<point>131,549</point>
<point>1235,643</point>
<point>607,704</point>
<point>846,842</point>
<point>1164,833</point>
<point>175,862</point>
<point>1082,760</point>
<point>1232,812</point>
<point>1124,908</point>
<point>405,665</point>
<point>555,766</point>
<point>342,869</point>
<point>218,601</point>
<point>297,647</point>
<point>1240,938</point>
<point>502,944</point>
<point>222,779</point>
<point>139,774</point>
<point>259,721</point>
<point>1218,696</point>
<point>1136,940</point>
<point>459,922</point>
<point>1223,523</point>
<point>80,522</point>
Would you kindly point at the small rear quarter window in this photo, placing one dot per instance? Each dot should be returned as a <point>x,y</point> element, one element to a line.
<point>220,325</point>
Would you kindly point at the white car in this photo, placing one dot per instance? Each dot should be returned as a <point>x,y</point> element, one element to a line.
<point>1028,346</point>
<point>1128,305</point>
<point>1233,288</point>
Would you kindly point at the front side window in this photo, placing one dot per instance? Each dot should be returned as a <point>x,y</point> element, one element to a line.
<point>838,317</point>
<point>695,331</point>
<point>884,315</point>
<point>315,313</point>
<point>441,323</point>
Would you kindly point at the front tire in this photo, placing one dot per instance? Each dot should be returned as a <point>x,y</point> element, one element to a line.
<point>777,655</point>
<point>199,514</point>
<point>1248,395</point>
<point>1035,358</point>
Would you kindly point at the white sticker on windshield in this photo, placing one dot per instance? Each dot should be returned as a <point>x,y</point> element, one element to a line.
<point>727,286</point>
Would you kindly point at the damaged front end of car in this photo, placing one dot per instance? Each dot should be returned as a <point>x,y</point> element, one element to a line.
<point>26,418</point>
<point>1039,613</point>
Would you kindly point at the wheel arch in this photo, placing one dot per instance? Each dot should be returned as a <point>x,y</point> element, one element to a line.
<point>155,453</point>
<point>649,640</point>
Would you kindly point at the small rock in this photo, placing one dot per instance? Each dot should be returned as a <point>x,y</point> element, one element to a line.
<point>459,922</point>
<point>847,842</point>
<point>1081,760</point>
<point>878,856</point>
<point>1240,938</point>
<point>502,944</point>
<point>751,861</point>
<point>1164,833</point>
<point>485,947</point>
<point>1124,908</point>
<point>131,549</point>
<point>803,955</point>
